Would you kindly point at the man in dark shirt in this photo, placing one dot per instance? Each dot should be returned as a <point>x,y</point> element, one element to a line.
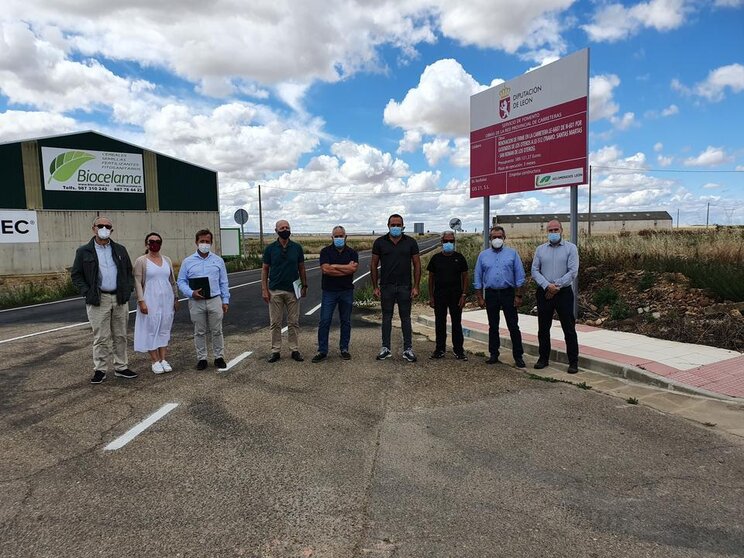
<point>338,263</point>
<point>395,252</point>
<point>448,279</point>
<point>283,264</point>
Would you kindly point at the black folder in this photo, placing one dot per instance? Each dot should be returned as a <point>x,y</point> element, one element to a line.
<point>202,283</point>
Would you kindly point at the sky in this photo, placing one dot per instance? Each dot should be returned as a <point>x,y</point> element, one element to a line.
<point>346,111</point>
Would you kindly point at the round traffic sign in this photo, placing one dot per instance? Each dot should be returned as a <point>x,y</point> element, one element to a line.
<point>455,224</point>
<point>241,216</point>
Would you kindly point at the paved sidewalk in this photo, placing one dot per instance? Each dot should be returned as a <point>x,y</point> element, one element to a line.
<point>678,366</point>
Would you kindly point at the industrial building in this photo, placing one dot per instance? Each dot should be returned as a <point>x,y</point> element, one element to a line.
<point>54,187</point>
<point>602,223</point>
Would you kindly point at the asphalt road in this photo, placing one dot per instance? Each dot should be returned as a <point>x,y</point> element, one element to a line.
<point>345,458</point>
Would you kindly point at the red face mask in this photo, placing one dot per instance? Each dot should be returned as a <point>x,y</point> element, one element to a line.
<point>154,246</point>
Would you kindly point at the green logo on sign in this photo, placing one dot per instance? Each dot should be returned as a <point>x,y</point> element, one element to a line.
<point>545,179</point>
<point>65,165</point>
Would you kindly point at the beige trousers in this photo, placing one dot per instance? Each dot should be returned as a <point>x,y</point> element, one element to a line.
<point>279,301</point>
<point>207,316</point>
<point>109,322</point>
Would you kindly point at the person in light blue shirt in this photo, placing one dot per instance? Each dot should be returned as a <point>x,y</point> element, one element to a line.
<point>206,309</point>
<point>499,282</point>
<point>555,266</point>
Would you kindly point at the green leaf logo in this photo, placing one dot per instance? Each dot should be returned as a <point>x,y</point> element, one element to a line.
<point>65,165</point>
<point>545,179</point>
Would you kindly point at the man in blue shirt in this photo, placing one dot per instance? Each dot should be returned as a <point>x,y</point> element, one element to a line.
<point>283,264</point>
<point>338,263</point>
<point>499,272</point>
<point>206,308</point>
<point>554,268</point>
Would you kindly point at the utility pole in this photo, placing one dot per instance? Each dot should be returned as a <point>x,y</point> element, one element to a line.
<point>678,217</point>
<point>707,216</point>
<point>589,215</point>
<point>260,221</point>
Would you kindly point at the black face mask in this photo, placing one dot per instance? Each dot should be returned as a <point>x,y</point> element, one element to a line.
<point>284,235</point>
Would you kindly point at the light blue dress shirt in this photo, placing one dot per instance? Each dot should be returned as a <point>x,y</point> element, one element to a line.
<point>212,267</point>
<point>498,269</point>
<point>106,267</point>
<point>556,264</point>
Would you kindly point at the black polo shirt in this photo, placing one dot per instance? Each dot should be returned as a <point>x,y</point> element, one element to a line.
<point>395,259</point>
<point>283,264</point>
<point>331,255</point>
<point>447,272</point>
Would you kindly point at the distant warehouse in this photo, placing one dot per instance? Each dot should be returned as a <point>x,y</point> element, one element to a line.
<point>602,223</point>
<point>54,187</point>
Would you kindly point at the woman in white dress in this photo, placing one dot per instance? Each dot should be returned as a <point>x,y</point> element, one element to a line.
<point>157,301</point>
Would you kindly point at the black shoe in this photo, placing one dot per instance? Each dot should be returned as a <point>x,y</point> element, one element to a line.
<point>519,363</point>
<point>126,373</point>
<point>540,364</point>
<point>220,363</point>
<point>461,356</point>
<point>319,357</point>
<point>274,357</point>
<point>345,355</point>
<point>573,368</point>
<point>297,355</point>
<point>493,359</point>
<point>437,354</point>
<point>98,377</point>
<point>201,365</point>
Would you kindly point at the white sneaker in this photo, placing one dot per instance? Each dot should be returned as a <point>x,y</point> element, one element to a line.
<point>166,366</point>
<point>157,368</point>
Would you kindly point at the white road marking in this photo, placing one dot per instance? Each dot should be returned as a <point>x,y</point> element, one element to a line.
<point>41,304</point>
<point>284,329</point>
<point>235,361</point>
<point>42,332</point>
<point>133,432</point>
<point>312,310</point>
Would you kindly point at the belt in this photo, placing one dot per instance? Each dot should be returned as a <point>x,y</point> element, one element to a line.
<point>500,290</point>
<point>109,292</point>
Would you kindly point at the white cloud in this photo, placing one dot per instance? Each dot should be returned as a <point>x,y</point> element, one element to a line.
<point>711,186</point>
<point>439,104</point>
<point>664,161</point>
<point>729,3</point>
<point>740,167</point>
<point>601,101</point>
<point>615,21</point>
<point>671,110</point>
<point>461,155</point>
<point>718,80</point>
<point>711,157</point>
<point>410,141</point>
<point>436,150</point>
<point>658,147</point>
<point>20,125</point>
<point>623,123</point>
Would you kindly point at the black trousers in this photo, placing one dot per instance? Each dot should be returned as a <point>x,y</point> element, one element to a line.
<point>444,302</point>
<point>562,303</point>
<point>502,300</point>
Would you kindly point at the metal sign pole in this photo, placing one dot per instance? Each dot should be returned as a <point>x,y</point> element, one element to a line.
<point>575,240</point>
<point>486,218</point>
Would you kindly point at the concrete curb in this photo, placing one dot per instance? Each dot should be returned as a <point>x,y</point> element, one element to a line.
<point>595,364</point>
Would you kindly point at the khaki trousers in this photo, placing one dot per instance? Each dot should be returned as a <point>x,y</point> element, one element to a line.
<point>207,315</point>
<point>279,301</point>
<point>109,323</point>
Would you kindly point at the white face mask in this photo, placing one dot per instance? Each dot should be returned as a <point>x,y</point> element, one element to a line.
<point>104,233</point>
<point>204,248</point>
<point>497,243</point>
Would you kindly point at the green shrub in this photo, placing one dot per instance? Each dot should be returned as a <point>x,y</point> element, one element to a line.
<point>619,310</point>
<point>605,296</point>
<point>647,281</point>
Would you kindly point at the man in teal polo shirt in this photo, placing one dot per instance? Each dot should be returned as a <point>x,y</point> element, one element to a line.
<point>283,264</point>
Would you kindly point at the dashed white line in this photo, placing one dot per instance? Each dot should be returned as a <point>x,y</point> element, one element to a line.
<point>235,361</point>
<point>133,432</point>
<point>315,308</point>
<point>42,332</point>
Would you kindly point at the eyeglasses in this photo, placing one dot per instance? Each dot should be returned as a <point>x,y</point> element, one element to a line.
<point>102,226</point>
<point>154,241</point>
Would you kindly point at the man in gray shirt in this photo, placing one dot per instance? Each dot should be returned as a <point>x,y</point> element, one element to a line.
<point>102,273</point>
<point>555,266</point>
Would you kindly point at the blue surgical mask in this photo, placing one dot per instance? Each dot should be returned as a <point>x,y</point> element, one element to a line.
<point>448,247</point>
<point>396,231</point>
<point>554,238</point>
<point>339,242</point>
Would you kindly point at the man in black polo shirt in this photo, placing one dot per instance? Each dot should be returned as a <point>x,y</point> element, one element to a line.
<point>283,264</point>
<point>338,263</point>
<point>448,279</point>
<point>395,252</point>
